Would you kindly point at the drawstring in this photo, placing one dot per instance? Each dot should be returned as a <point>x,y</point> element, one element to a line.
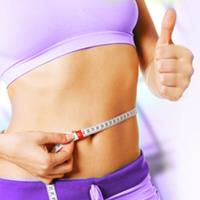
<point>95,193</point>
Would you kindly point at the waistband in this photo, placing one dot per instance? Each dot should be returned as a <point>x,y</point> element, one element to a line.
<point>124,178</point>
<point>99,188</point>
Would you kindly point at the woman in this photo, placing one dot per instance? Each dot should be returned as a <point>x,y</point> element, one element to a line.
<point>69,66</point>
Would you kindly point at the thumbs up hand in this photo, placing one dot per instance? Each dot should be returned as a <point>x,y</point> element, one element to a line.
<point>170,72</point>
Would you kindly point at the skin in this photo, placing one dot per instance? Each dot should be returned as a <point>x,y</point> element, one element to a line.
<point>83,88</point>
<point>170,72</point>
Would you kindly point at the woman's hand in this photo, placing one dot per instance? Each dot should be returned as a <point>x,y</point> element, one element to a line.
<point>170,72</point>
<point>31,151</point>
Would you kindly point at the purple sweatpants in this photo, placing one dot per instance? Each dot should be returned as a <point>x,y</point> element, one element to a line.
<point>131,182</point>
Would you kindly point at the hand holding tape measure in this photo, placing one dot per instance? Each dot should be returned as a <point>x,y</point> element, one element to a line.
<point>31,150</point>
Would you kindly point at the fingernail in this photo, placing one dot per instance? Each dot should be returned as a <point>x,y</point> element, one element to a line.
<point>70,136</point>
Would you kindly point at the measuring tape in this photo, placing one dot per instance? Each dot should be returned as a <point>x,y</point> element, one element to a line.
<point>51,192</point>
<point>80,134</point>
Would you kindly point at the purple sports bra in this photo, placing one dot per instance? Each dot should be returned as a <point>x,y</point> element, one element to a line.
<point>35,32</point>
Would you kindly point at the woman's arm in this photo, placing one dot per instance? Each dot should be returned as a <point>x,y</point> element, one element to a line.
<point>166,67</point>
<point>145,36</point>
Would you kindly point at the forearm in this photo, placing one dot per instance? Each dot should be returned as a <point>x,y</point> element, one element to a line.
<point>145,37</point>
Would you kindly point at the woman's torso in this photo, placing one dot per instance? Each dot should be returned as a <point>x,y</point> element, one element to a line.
<point>76,91</point>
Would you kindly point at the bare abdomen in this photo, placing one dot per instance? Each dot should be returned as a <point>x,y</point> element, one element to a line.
<point>74,92</point>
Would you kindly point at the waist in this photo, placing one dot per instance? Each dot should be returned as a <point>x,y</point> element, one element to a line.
<point>95,155</point>
<point>74,96</point>
<point>132,177</point>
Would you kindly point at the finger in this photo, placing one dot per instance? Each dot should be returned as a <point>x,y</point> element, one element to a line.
<point>173,51</point>
<point>61,156</point>
<point>54,138</point>
<point>167,27</point>
<point>173,80</point>
<point>49,179</point>
<point>168,66</point>
<point>174,66</point>
<point>171,93</point>
<point>46,180</point>
<point>62,168</point>
<point>53,176</point>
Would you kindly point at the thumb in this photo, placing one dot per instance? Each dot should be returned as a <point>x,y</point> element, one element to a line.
<point>54,138</point>
<point>167,27</point>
